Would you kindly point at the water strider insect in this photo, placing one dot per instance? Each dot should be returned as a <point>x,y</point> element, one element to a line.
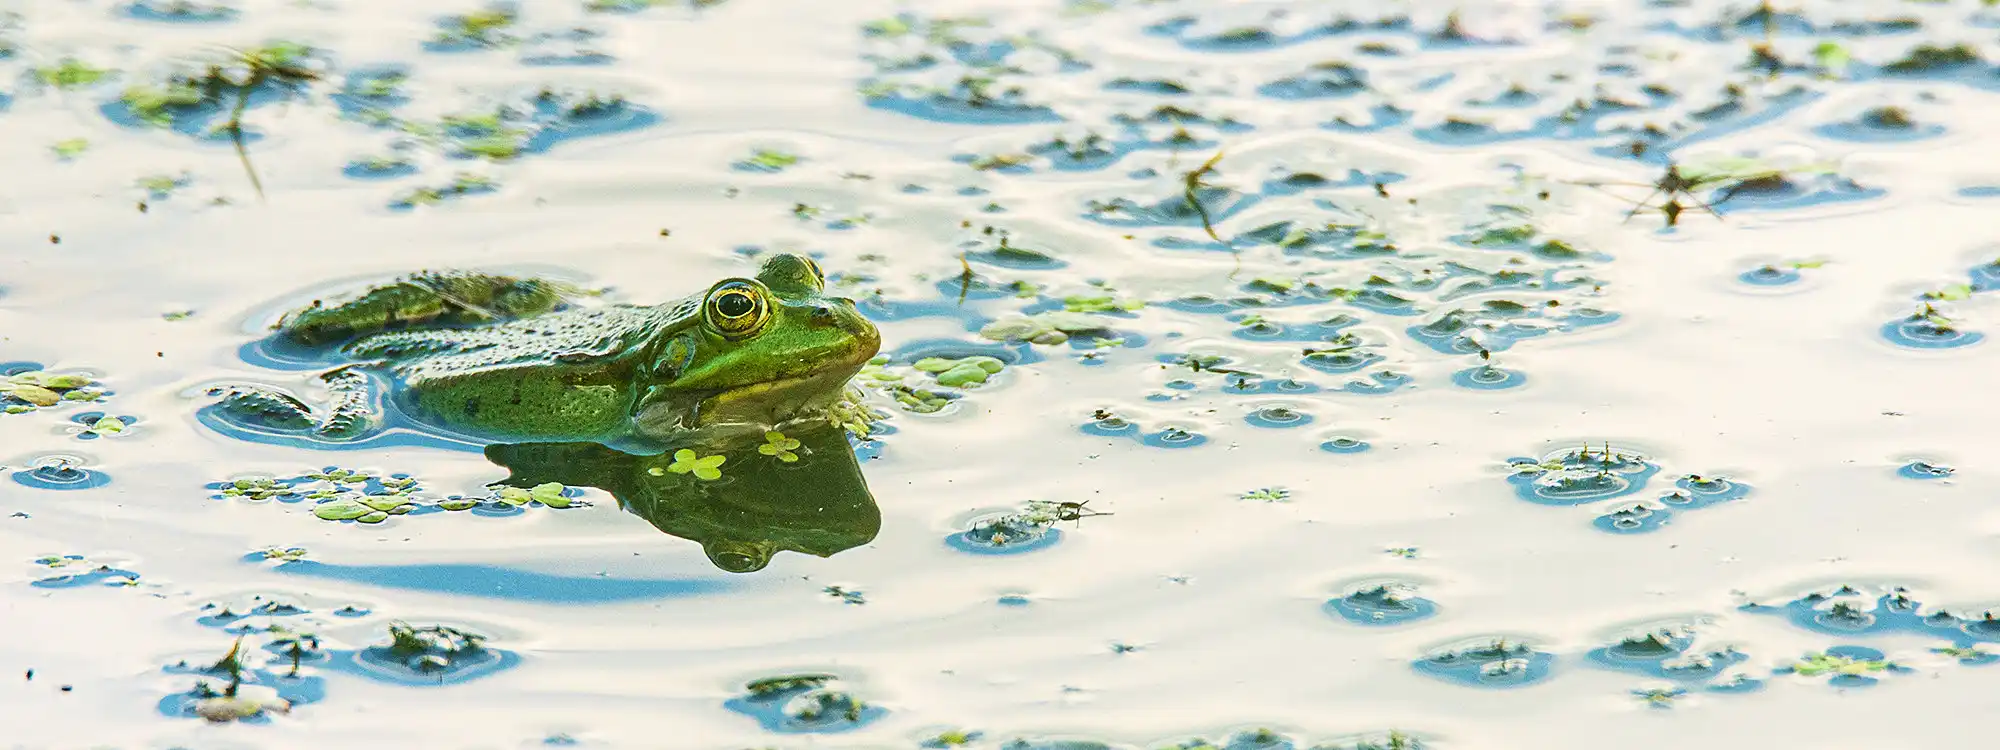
<point>1675,185</point>
<point>1074,511</point>
<point>1729,176</point>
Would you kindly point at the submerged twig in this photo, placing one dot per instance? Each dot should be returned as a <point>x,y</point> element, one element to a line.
<point>1193,186</point>
<point>276,65</point>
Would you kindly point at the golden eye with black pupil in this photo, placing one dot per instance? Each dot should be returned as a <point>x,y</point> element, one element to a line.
<point>819,277</point>
<point>736,310</point>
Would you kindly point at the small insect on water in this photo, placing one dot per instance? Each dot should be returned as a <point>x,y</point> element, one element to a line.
<point>1675,185</point>
<point>1072,511</point>
<point>1729,177</point>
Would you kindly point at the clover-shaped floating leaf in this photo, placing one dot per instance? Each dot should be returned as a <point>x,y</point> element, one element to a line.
<point>702,467</point>
<point>1053,327</point>
<point>550,494</point>
<point>779,446</point>
<point>960,373</point>
<point>255,488</point>
<point>1838,664</point>
<point>339,475</point>
<point>365,509</point>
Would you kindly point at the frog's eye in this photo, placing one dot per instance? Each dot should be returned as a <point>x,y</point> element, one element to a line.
<point>736,310</point>
<point>819,276</point>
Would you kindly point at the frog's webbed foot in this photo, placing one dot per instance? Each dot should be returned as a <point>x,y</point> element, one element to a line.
<point>440,299</point>
<point>852,412</point>
<point>349,411</point>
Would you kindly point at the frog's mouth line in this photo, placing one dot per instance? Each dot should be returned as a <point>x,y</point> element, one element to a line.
<point>767,401</point>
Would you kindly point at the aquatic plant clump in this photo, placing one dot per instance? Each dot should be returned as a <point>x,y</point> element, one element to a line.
<point>25,387</point>
<point>432,654</point>
<point>804,704</point>
<point>75,571</point>
<point>1669,653</point>
<point>1498,662</point>
<point>1030,528</point>
<point>1581,475</point>
<point>1845,666</point>
<point>1847,611</point>
<point>1392,603</point>
<point>1006,533</point>
<point>250,688</point>
<point>340,494</point>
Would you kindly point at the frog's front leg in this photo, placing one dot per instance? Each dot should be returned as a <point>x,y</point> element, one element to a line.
<point>348,413</point>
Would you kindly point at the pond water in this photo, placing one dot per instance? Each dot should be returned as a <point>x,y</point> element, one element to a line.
<point>1260,374</point>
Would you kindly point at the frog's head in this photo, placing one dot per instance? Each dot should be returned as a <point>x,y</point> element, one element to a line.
<point>761,349</point>
<point>738,557</point>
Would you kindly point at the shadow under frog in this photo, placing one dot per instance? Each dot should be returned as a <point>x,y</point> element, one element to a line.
<point>771,494</point>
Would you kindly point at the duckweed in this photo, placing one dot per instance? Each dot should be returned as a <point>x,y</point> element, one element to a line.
<point>343,494</point>
<point>686,461</point>
<point>24,387</point>
<point>71,73</point>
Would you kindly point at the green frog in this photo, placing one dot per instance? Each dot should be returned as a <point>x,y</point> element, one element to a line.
<point>505,358</point>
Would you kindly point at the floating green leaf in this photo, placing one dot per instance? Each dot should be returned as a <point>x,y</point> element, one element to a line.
<point>70,148</point>
<point>71,73</point>
<point>770,160</point>
<point>702,467</point>
<point>1951,293</point>
<point>776,444</point>
<point>1831,58</point>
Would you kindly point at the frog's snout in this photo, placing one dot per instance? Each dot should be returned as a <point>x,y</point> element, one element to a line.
<point>848,319</point>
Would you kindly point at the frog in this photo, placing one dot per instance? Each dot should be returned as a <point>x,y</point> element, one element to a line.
<point>510,359</point>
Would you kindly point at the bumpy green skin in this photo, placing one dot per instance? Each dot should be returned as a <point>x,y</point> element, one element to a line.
<point>592,374</point>
<point>449,298</point>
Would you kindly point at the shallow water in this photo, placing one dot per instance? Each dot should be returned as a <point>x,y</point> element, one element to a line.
<point>1684,429</point>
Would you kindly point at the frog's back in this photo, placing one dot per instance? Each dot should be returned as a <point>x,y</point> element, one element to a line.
<point>562,374</point>
<point>545,340</point>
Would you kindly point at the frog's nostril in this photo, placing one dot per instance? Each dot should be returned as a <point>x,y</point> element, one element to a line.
<point>822,315</point>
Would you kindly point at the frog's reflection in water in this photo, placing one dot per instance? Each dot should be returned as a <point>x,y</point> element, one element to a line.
<point>799,490</point>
